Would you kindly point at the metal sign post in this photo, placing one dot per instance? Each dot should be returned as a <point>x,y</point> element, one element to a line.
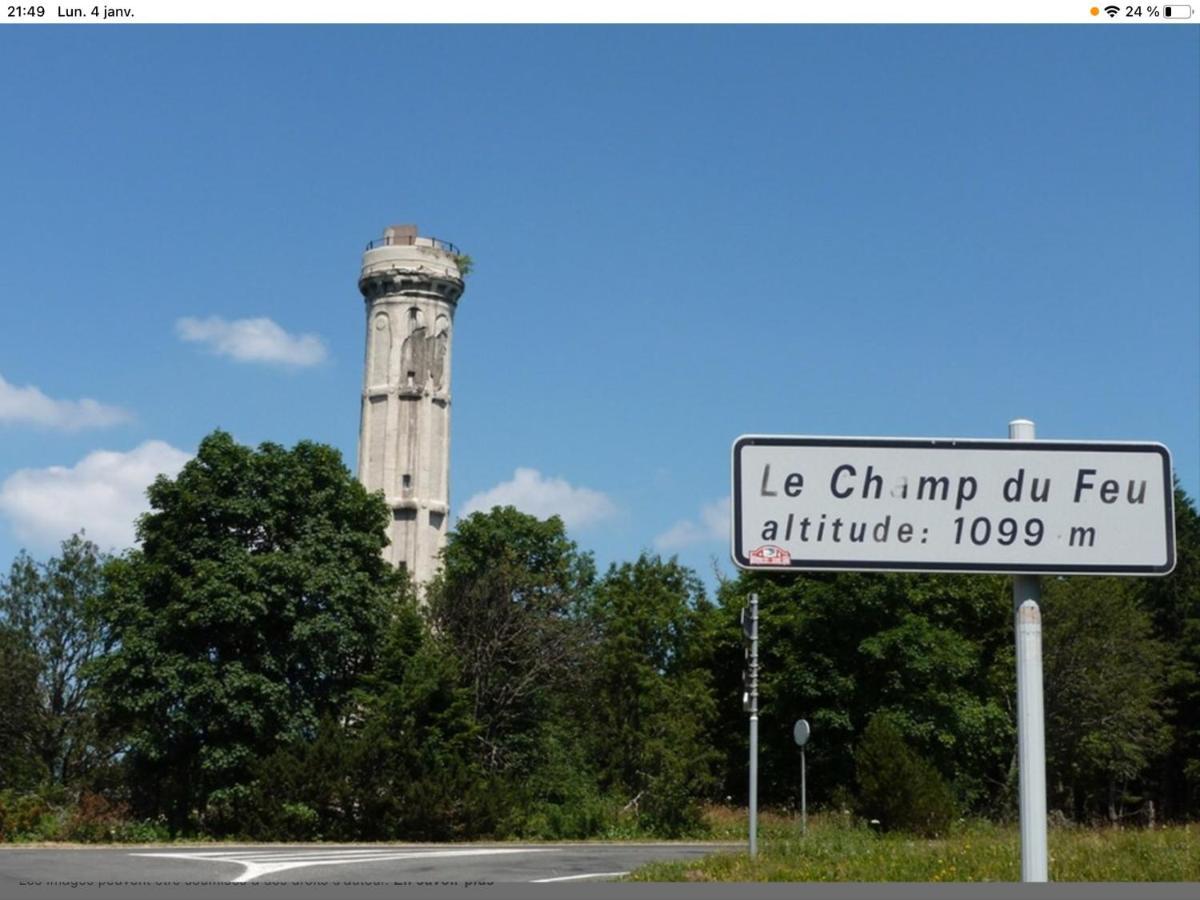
<point>1031,723</point>
<point>750,704</point>
<point>800,733</point>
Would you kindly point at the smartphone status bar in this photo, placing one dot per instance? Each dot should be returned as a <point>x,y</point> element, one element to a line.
<point>862,12</point>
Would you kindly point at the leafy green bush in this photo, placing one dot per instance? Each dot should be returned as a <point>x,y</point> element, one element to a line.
<point>299,822</point>
<point>291,784</point>
<point>18,812</point>
<point>464,263</point>
<point>95,818</point>
<point>897,787</point>
<point>48,815</point>
<point>145,831</point>
<point>31,816</point>
<point>557,798</point>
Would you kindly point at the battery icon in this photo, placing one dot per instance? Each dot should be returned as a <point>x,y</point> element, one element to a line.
<point>1177,12</point>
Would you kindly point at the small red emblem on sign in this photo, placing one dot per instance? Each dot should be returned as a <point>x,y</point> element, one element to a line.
<point>770,555</point>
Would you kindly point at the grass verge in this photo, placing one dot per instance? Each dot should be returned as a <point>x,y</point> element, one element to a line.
<point>834,850</point>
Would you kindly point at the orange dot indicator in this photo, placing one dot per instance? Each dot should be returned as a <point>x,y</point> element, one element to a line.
<point>1095,10</point>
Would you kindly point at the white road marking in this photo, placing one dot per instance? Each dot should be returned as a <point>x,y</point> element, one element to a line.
<point>298,853</point>
<point>579,877</point>
<point>267,862</point>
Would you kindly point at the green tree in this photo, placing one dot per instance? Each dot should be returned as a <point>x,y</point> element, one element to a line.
<point>649,703</point>
<point>399,766</point>
<point>1174,606</point>
<point>933,652</point>
<point>510,609</point>
<point>51,606</point>
<point>1104,687</point>
<point>251,610</point>
<point>22,721</point>
<point>896,786</point>
<point>419,772</point>
<point>507,603</point>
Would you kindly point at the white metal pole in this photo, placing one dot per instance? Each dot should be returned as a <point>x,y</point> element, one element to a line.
<point>1031,730</point>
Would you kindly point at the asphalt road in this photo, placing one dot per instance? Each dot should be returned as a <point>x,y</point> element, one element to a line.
<point>381,863</point>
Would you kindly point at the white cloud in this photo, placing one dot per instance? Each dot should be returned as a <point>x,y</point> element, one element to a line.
<point>533,493</point>
<point>28,405</point>
<point>712,527</point>
<point>103,493</point>
<point>252,340</point>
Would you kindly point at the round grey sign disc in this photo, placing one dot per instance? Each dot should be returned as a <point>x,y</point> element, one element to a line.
<point>800,732</point>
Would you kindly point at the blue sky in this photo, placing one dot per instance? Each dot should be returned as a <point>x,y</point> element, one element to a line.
<point>680,234</point>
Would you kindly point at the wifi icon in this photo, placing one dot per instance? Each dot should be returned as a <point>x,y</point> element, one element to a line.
<point>1112,11</point>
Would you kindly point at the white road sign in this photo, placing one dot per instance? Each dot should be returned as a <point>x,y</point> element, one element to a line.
<point>930,505</point>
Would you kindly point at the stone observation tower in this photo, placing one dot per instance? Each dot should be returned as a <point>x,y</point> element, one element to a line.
<point>411,285</point>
